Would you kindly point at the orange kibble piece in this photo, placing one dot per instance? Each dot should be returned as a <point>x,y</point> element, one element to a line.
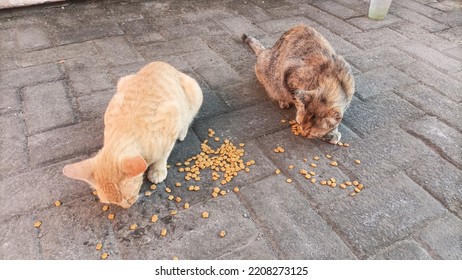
<point>355,183</point>
<point>37,224</point>
<point>236,189</point>
<point>357,161</point>
<point>154,218</point>
<point>277,171</point>
<point>133,226</point>
<point>186,206</point>
<point>333,163</point>
<point>291,166</point>
<point>167,189</point>
<point>178,199</point>
<point>289,180</point>
<point>111,216</point>
<point>342,186</point>
<point>104,256</point>
<point>153,187</point>
<point>222,233</point>
<point>170,197</point>
<point>303,172</point>
<point>105,207</point>
<point>147,193</point>
<point>173,212</point>
<point>99,246</point>
<point>205,214</point>
<point>323,182</point>
<point>313,165</point>
<point>178,184</point>
<point>163,232</point>
<point>57,203</point>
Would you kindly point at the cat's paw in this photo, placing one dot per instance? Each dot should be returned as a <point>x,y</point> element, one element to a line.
<point>284,105</point>
<point>182,135</point>
<point>332,137</point>
<point>157,175</point>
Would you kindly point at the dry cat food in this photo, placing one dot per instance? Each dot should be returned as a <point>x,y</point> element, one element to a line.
<point>205,214</point>
<point>222,233</point>
<point>226,159</point>
<point>154,218</point>
<point>111,216</point>
<point>99,246</point>
<point>105,207</point>
<point>104,256</point>
<point>173,212</point>
<point>133,226</point>
<point>170,197</point>
<point>37,224</point>
<point>279,149</point>
<point>277,171</point>
<point>147,193</point>
<point>163,232</point>
<point>357,161</point>
<point>153,187</point>
<point>289,180</point>
<point>236,189</point>
<point>57,203</point>
<point>186,206</point>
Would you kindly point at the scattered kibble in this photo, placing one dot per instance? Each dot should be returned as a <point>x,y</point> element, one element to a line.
<point>216,139</point>
<point>291,166</point>
<point>222,233</point>
<point>173,212</point>
<point>111,216</point>
<point>360,186</point>
<point>154,218</point>
<point>277,171</point>
<point>346,145</point>
<point>175,258</point>
<point>333,163</point>
<point>357,189</point>
<point>308,176</point>
<point>186,206</point>
<point>104,256</point>
<point>289,180</point>
<point>328,156</point>
<point>355,183</point>
<point>352,194</point>
<point>147,193</point>
<point>170,197</point>
<point>236,189</point>
<point>167,189</point>
<point>223,192</point>
<point>214,194</point>
<point>316,158</point>
<point>178,199</point>
<point>312,173</point>
<point>279,149</point>
<point>57,203</point>
<point>342,186</point>
<point>357,161</point>
<point>205,214</point>
<point>348,183</point>
<point>313,165</point>
<point>323,182</point>
<point>105,207</point>
<point>303,172</point>
<point>37,224</point>
<point>99,246</point>
<point>178,184</point>
<point>313,180</point>
<point>153,187</point>
<point>133,226</point>
<point>163,232</point>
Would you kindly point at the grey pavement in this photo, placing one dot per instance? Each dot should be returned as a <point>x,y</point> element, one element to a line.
<point>59,65</point>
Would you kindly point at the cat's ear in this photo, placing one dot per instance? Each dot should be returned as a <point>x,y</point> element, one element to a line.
<point>133,166</point>
<point>79,170</point>
<point>334,117</point>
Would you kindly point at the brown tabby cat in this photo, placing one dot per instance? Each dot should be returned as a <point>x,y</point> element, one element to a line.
<point>303,69</point>
<point>149,112</point>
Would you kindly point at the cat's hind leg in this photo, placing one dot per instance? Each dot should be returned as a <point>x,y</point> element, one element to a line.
<point>158,170</point>
<point>332,137</point>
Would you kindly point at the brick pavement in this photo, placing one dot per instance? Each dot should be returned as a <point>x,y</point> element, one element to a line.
<point>59,66</point>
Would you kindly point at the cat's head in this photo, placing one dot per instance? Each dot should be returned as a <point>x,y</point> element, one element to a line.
<point>116,182</point>
<point>317,115</point>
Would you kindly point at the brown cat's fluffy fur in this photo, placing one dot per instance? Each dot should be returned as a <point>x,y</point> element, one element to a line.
<point>303,69</point>
<point>149,112</point>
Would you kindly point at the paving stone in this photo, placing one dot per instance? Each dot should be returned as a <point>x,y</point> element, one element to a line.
<point>441,137</point>
<point>440,179</point>
<point>34,75</point>
<point>414,32</point>
<point>257,250</point>
<point>248,10</point>
<point>87,75</point>
<point>381,155</point>
<point>240,25</point>
<point>433,57</point>
<point>279,26</point>
<point>452,34</point>
<point>445,6</point>
<point>360,6</point>
<point>332,23</point>
<point>87,32</point>
<point>38,113</point>
<point>215,71</point>
<point>94,106</point>
<point>9,62</point>
<point>369,221</point>
<point>365,117</point>
<point>32,37</point>
<point>235,52</point>
<point>145,38</point>
<point>9,100</point>
<point>403,250</point>
<point>364,23</point>
<point>380,80</point>
<point>19,239</point>
<point>56,54</point>
<point>243,124</point>
<point>12,145</point>
<point>60,143</point>
<point>80,222</point>
<point>208,14</point>
<point>455,52</point>
<point>191,29</point>
<point>7,44</point>
<point>377,57</point>
<point>431,77</point>
<point>296,149</point>
<point>336,9</point>
<point>189,236</point>
<point>412,16</point>
<point>419,8</point>
<point>448,242</point>
<point>40,188</point>
<point>139,27</point>
<point>452,18</point>
<point>341,46</point>
<point>269,4</point>
<point>295,230</point>
<point>212,104</point>
<point>375,38</point>
<point>173,47</point>
<point>118,51</point>
<point>433,103</point>
<point>243,94</point>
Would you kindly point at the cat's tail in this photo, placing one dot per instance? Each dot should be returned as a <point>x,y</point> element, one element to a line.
<point>256,46</point>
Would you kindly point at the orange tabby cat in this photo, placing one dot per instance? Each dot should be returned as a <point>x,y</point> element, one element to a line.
<point>149,112</point>
<point>303,69</point>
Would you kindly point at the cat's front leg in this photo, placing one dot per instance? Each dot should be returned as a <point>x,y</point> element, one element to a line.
<point>284,104</point>
<point>158,170</point>
<point>332,137</point>
<point>183,133</point>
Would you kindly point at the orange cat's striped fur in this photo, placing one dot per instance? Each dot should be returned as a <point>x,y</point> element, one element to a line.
<point>303,69</point>
<point>149,112</point>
